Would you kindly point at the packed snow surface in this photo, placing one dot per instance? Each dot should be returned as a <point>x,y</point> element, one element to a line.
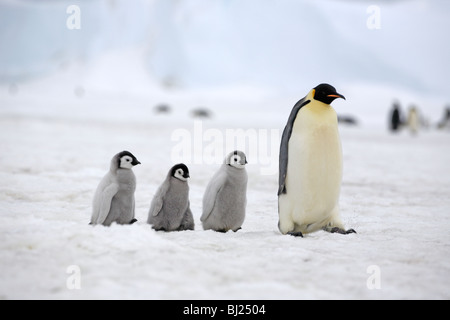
<point>394,194</point>
<point>61,127</point>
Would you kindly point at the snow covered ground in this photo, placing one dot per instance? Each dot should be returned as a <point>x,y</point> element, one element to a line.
<point>59,131</point>
<point>395,194</point>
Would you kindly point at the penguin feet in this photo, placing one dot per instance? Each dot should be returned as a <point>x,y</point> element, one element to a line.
<point>295,234</point>
<point>132,221</point>
<point>236,230</point>
<point>339,230</point>
<point>159,229</point>
<point>185,228</point>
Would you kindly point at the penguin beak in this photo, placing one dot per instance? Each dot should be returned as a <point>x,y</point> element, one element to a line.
<point>336,95</point>
<point>187,175</point>
<point>135,162</point>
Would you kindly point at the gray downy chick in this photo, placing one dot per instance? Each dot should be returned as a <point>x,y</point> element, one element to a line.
<point>170,208</point>
<point>114,198</point>
<point>225,198</point>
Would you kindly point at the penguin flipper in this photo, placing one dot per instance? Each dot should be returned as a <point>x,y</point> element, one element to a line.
<point>105,202</point>
<point>284,145</point>
<point>213,188</point>
<point>133,211</point>
<point>158,199</point>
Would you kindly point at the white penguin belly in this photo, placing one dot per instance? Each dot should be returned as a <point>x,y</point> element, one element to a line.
<point>314,170</point>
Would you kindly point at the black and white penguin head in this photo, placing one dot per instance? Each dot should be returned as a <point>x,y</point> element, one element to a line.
<point>236,159</point>
<point>126,160</point>
<point>326,93</point>
<point>180,171</point>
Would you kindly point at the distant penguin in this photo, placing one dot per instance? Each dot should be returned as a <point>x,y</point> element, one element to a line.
<point>201,113</point>
<point>114,198</point>
<point>413,120</point>
<point>162,108</point>
<point>310,171</point>
<point>445,122</point>
<point>170,210</point>
<point>225,198</point>
<point>396,117</point>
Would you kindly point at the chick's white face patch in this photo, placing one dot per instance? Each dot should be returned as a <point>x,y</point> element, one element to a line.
<point>179,174</point>
<point>236,161</point>
<point>126,162</point>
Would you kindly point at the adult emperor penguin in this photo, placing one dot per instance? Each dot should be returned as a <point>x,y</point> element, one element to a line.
<point>114,198</point>
<point>170,210</point>
<point>225,197</point>
<point>310,168</point>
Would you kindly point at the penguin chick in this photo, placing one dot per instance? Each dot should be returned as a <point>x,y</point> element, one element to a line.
<point>170,208</point>
<point>114,198</point>
<point>310,171</point>
<point>225,197</point>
